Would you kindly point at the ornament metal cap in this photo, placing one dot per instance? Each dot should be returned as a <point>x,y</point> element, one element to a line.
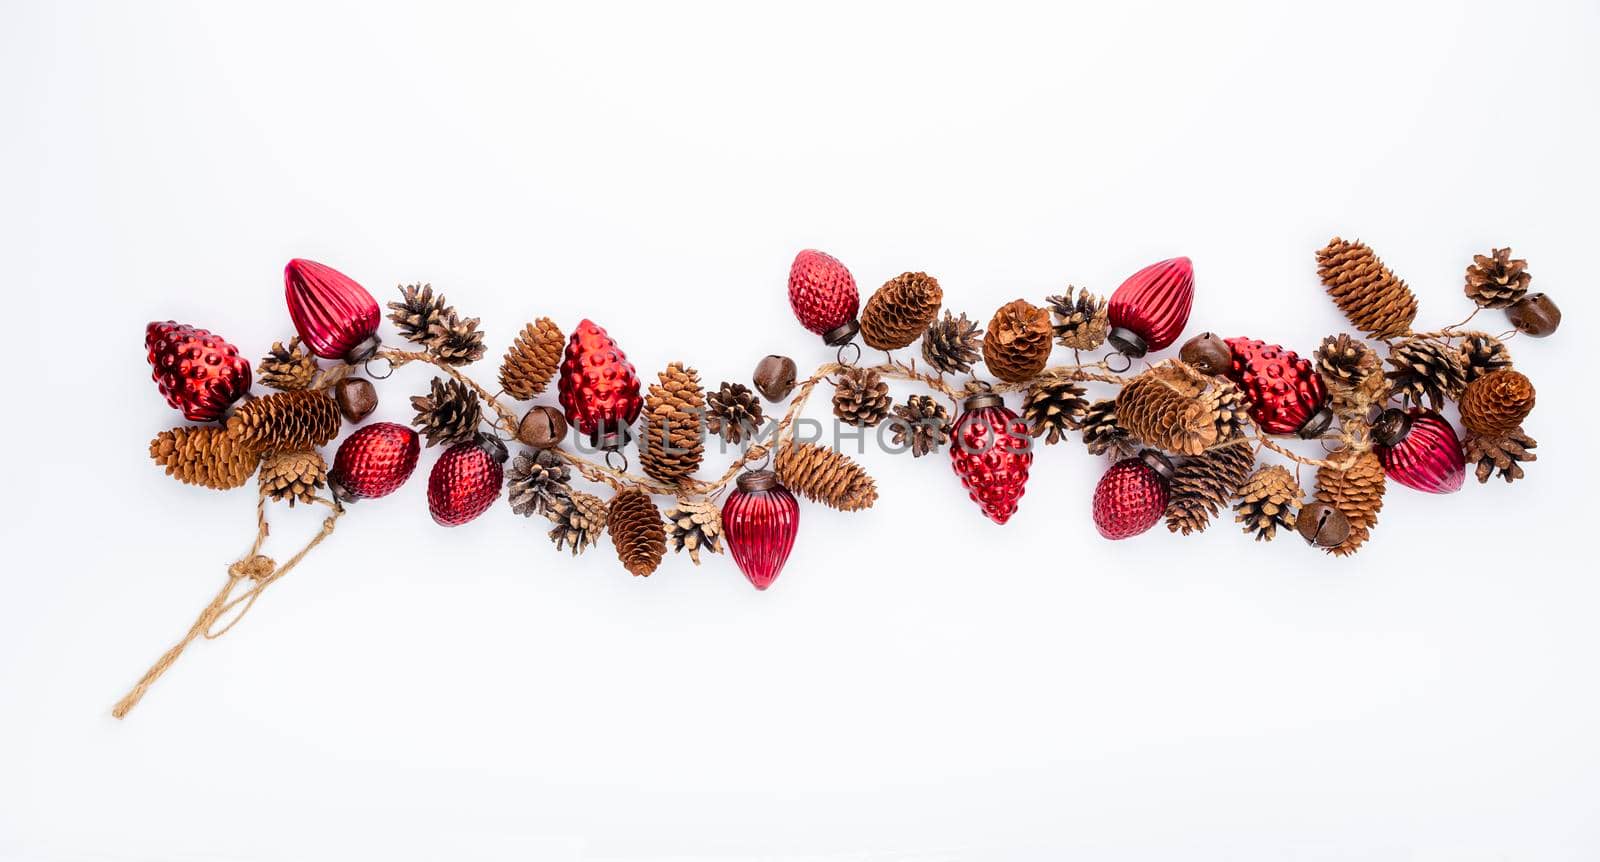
<point>758,480</point>
<point>1392,427</point>
<point>1317,424</point>
<point>982,400</point>
<point>1157,462</point>
<point>364,350</point>
<point>339,493</point>
<point>610,439</point>
<point>842,335</point>
<point>1127,342</point>
<point>491,444</point>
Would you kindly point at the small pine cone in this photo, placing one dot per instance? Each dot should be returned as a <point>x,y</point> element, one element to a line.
<point>287,369</point>
<point>532,359</point>
<point>536,480</point>
<point>674,433</point>
<point>1504,455</point>
<point>1353,373</point>
<point>1053,407</point>
<point>293,475</point>
<point>1426,370</point>
<point>286,420</point>
<point>1366,291</point>
<point>951,344</point>
<point>449,413</point>
<point>1103,435</point>
<point>455,341</point>
<point>636,530</point>
<point>920,424</point>
<point>1174,407</point>
<point>579,518</point>
<point>1081,319</point>
<point>1495,280</point>
<point>1356,492</point>
<point>1017,345</point>
<point>416,311</point>
<point>1202,487</point>
<point>824,476</point>
<point>899,311</point>
<point>207,455</point>
<point>1268,500</point>
<point>1482,353</point>
<point>1495,404</point>
<point>693,525</point>
<point>860,397</point>
<point>734,412</point>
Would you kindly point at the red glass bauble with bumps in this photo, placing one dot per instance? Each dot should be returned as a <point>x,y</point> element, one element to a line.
<point>824,297</point>
<point>1420,450</point>
<point>374,462</point>
<point>1132,495</point>
<point>1150,309</point>
<point>336,317</point>
<point>991,451</point>
<point>599,389</point>
<point>466,480</point>
<point>198,373</point>
<point>1286,394</point>
<point>760,521</point>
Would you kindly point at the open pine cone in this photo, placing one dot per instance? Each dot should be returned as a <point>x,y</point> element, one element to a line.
<point>1053,407</point>
<point>1482,353</point>
<point>693,525</point>
<point>860,397</point>
<point>454,340</point>
<point>287,368</point>
<point>1368,293</point>
<point>449,413</point>
<point>1081,319</point>
<point>286,420</point>
<point>920,424</point>
<point>1017,345</point>
<point>1202,486</point>
<point>293,475</point>
<point>579,518</point>
<point>532,359</point>
<point>733,412</point>
<point>674,432</point>
<point>951,344</point>
<point>1103,435</point>
<point>1425,370</point>
<point>416,312</point>
<point>636,530</point>
<point>1504,455</point>
<point>824,476</point>
<point>536,480</point>
<point>1269,500</point>
<point>900,310</point>
<point>207,455</point>
<point>1495,280</point>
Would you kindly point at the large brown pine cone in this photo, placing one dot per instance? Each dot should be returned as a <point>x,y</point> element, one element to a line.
<point>951,344</point>
<point>1174,407</point>
<point>1368,293</point>
<point>579,518</point>
<point>416,311</point>
<point>860,397</point>
<point>287,368</point>
<point>636,530</point>
<point>900,310</point>
<point>293,475</point>
<point>449,413</point>
<point>1504,455</point>
<point>1356,492</point>
<point>1103,435</point>
<point>1495,404</point>
<point>1482,353</point>
<point>1053,407</point>
<point>532,359</point>
<point>286,420</point>
<point>1081,319</point>
<point>674,430</point>
<point>207,455</point>
<point>824,476</point>
<point>1201,487</point>
<point>695,525</point>
<point>1268,500</point>
<point>1494,280</point>
<point>1017,345</point>
<point>733,412</point>
<point>1353,373</point>
<point>1425,370</point>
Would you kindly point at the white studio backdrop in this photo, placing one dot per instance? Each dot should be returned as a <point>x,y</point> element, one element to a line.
<point>920,684</point>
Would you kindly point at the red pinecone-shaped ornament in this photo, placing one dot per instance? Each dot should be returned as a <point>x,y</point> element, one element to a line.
<point>1148,312</point>
<point>466,480</point>
<point>1286,394</point>
<point>1420,450</point>
<point>760,521</point>
<point>991,451</point>
<point>823,295</point>
<point>336,318</point>
<point>599,389</point>
<point>374,462</point>
<point>197,372</point>
<point>1132,495</point>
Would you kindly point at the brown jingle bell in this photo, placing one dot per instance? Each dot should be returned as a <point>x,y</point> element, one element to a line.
<point>542,427</point>
<point>774,377</point>
<point>357,398</point>
<point>1322,525</point>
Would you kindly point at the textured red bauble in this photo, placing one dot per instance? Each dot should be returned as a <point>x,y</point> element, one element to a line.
<point>374,462</point>
<point>466,480</point>
<point>599,389</point>
<point>1148,312</point>
<point>760,521</point>
<point>824,297</point>
<point>1286,394</point>
<point>991,451</point>
<point>1132,495</point>
<point>336,318</point>
<point>197,372</point>
<point>1420,450</point>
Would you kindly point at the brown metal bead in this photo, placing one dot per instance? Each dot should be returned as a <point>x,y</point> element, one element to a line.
<point>1535,314</point>
<point>1208,353</point>
<point>542,427</point>
<point>1323,525</point>
<point>357,398</point>
<point>774,377</point>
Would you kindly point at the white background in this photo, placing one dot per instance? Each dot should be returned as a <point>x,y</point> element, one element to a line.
<point>919,684</point>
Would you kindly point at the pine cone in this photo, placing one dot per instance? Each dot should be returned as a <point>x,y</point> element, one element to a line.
<point>674,436</point>
<point>1174,407</point>
<point>1356,492</point>
<point>579,520</point>
<point>1202,486</point>
<point>636,530</point>
<point>920,424</point>
<point>207,455</point>
<point>1017,345</point>
<point>860,397</point>
<point>1053,407</point>
<point>695,524</point>
<point>1353,373</point>
<point>1495,280</point>
<point>1081,319</point>
<point>453,340</point>
<point>293,475</point>
<point>1482,353</point>
<point>951,344</point>
<point>899,311</point>
<point>735,412</point>
<point>1495,404</point>
<point>449,413</point>
<point>824,476</point>
<point>1268,500</point>
<point>286,420</point>
<point>532,359</point>
<point>537,480</point>
<point>1366,291</point>
<point>1425,370</point>
<point>1103,435</point>
<point>1502,454</point>
<point>287,368</point>
<point>416,311</point>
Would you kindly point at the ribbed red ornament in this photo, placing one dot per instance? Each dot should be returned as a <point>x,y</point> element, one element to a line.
<point>1420,450</point>
<point>374,462</point>
<point>197,372</point>
<point>991,451</point>
<point>760,521</point>
<point>466,480</point>
<point>1132,495</point>
<point>1286,394</point>
<point>823,294</point>
<point>599,390</point>
<point>1148,312</point>
<point>336,318</point>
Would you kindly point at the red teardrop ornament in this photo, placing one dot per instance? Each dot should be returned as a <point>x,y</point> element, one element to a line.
<point>1132,495</point>
<point>336,318</point>
<point>823,294</point>
<point>1420,450</point>
<point>599,390</point>
<point>991,451</point>
<point>760,521</point>
<point>198,373</point>
<point>1286,394</point>
<point>374,462</point>
<point>1148,312</point>
<point>466,480</point>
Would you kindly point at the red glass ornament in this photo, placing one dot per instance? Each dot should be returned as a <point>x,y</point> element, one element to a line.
<point>374,462</point>
<point>1132,495</point>
<point>1286,394</point>
<point>198,373</point>
<point>1420,450</point>
<point>336,318</point>
<point>760,521</point>
<point>599,390</point>
<point>1148,312</point>
<point>991,451</point>
<point>466,480</point>
<point>823,294</point>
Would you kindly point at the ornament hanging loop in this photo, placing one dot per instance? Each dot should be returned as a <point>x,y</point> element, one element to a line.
<point>616,453</point>
<point>1109,358</point>
<point>848,363</point>
<point>388,367</point>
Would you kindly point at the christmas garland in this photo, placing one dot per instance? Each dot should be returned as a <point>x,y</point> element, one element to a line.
<point>1184,436</point>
